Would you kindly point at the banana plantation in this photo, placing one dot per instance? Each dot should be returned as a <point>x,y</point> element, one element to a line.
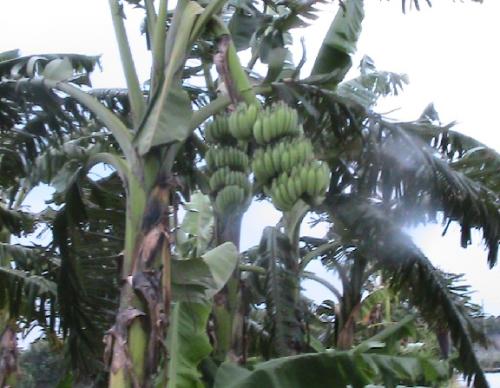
<point>141,281</point>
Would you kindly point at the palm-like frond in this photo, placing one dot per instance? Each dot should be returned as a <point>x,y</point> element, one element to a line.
<point>481,164</point>
<point>424,182</point>
<point>409,271</point>
<point>71,286</point>
<point>38,283</point>
<point>88,235</point>
<point>390,161</point>
<point>465,154</point>
<point>19,104</point>
<point>371,84</point>
<point>35,121</point>
<point>27,275</point>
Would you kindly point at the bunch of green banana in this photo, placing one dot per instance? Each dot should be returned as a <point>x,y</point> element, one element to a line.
<point>225,156</point>
<point>242,120</point>
<point>230,199</point>
<point>275,123</point>
<point>285,165</point>
<point>226,177</point>
<point>217,131</point>
<point>282,157</point>
<point>308,182</point>
<point>227,161</point>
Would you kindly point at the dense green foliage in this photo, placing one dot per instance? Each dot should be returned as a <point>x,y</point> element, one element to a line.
<point>41,366</point>
<point>147,255</point>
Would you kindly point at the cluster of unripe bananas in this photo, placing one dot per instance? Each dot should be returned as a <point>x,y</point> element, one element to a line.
<point>285,164</point>
<point>229,166</point>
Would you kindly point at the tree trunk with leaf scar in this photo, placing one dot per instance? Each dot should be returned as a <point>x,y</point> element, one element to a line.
<point>135,343</point>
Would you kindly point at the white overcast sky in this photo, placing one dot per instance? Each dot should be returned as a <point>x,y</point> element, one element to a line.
<point>449,51</point>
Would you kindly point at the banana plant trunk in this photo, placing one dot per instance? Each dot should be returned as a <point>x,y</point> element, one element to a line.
<point>350,304</point>
<point>350,309</point>
<point>134,342</point>
<point>229,309</point>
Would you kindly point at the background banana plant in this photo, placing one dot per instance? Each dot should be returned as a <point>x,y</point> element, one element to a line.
<point>175,300</point>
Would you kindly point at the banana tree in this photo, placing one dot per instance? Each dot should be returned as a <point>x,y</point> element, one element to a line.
<point>154,138</point>
<point>143,156</point>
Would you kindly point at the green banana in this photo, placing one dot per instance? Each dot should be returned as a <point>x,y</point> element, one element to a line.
<point>266,129</point>
<point>229,199</point>
<point>281,119</point>
<point>226,156</point>
<point>242,120</point>
<point>286,168</point>
<point>217,131</point>
<point>258,131</point>
<point>323,176</point>
<point>290,187</point>
<point>275,195</point>
<point>225,177</point>
<point>294,154</point>
<point>209,158</point>
<point>299,188</point>
<point>233,124</point>
<point>217,180</point>
<point>311,181</point>
<point>268,162</point>
<point>285,160</point>
<point>288,201</point>
<point>275,152</point>
<point>258,167</point>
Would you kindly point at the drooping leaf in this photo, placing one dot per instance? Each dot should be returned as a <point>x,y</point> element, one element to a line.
<point>198,279</point>
<point>222,261</point>
<point>459,197</point>
<point>194,283</point>
<point>340,41</point>
<point>391,162</point>
<point>41,284</point>
<point>191,278</point>
<point>88,233</point>
<point>333,369</point>
<point>187,343</point>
